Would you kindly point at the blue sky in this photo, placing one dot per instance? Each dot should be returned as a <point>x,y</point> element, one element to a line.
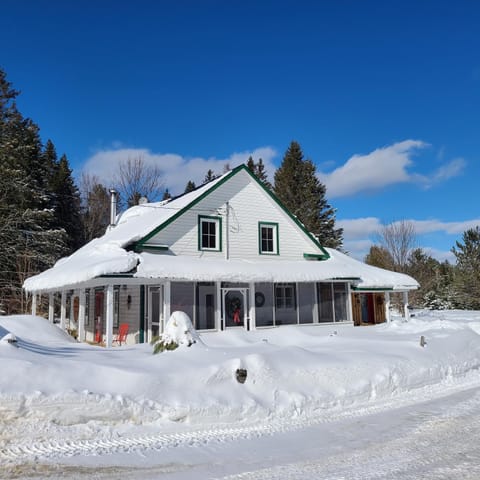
<point>384,97</point>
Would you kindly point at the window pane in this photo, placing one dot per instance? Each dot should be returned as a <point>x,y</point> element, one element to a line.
<point>264,304</point>
<point>306,301</point>
<point>325,308</point>
<point>267,239</point>
<point>340,297</point>
<point>209,234</point>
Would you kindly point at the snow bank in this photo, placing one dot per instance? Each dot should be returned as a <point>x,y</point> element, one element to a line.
<point>52,386</point>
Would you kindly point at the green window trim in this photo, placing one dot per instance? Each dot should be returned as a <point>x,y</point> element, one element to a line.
<point>276,244</point>
<point>218,232</point>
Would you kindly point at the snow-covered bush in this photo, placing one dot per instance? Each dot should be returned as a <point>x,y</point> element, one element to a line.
<point>178,331</point>
<point>434,301</point>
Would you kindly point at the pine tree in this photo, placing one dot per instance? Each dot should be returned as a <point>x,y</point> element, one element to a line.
<point>297,186</point>
<point>258,169</point>
<point>29,239</point>
<point>166,195</point>
<point>66,203</point>
<point>190,187</point>
<point>467,272</point>
<point>209,176</point>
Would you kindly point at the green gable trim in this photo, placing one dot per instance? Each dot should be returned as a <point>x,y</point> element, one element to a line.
<point>314,256</point>
<point>218,234</point>
<point>194,202</point>
<point>146,247</point>
<point>268,224</point>
<point>141,242</point>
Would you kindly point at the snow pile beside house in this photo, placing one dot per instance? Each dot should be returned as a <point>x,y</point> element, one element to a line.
<point>54,388</point>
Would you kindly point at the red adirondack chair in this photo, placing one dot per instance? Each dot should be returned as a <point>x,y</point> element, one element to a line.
<point>121,336</point>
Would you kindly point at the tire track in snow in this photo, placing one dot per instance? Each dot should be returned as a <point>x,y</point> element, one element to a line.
<point>441,447</point>
<point>73,447</point>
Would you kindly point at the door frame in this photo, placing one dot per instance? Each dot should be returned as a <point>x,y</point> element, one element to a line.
<point>150,321</point>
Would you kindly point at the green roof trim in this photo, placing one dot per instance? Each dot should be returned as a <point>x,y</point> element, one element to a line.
<point>313,256</point>
<point>144,247</point>
<point>140,243</point>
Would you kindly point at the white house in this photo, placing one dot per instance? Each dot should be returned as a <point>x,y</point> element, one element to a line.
<point>229,254</point>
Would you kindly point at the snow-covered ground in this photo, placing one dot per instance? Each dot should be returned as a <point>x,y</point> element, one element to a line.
<point>71,404</point>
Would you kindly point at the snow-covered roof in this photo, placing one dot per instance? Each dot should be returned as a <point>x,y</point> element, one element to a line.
<point>110,255</point>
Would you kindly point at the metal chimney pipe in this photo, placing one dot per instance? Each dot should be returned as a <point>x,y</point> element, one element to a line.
<point>113,207</point>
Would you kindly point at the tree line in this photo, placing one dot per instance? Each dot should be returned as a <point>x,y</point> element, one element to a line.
<point>443,285</point>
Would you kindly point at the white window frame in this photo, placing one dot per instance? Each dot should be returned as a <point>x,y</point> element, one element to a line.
<point>217,221</point>
<point>274,229</point>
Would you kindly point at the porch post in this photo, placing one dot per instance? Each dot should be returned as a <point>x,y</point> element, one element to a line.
<point>349,304</point>
<point>167,289</point>
<point>34,303</point>
<point>109,315</point>
<point>387,307</point>
<point>81,315</point>
<point>405,306</point>
<point>251,315</point>
<point>218,306</point>
<point>71,315</point>
<point>63,309</point>
<point>50,307</point>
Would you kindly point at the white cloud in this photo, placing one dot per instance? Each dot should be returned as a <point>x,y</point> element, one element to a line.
<point>177,170</point>
<point>383,167</point>
<point>359,227</point>
<point>378,169</point>
<point>358,234</point>
<point>451,228</point>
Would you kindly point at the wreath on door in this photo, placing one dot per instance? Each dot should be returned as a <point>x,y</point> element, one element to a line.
<point>234,306</point>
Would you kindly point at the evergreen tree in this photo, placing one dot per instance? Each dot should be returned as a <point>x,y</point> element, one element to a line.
<point>258,169</point>
<point>297,186</point>
<point>209,176</point>
<point>29,239</point>
<point>467,272</point>
<point>190,187</point>
<point>166,195</point>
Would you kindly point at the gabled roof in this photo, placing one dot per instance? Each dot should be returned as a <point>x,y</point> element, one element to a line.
<point>119,251</point>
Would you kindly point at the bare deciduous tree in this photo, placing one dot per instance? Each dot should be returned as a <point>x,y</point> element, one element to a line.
<point>135,179</point>
<point>398,239</point>
<point>95,206</point>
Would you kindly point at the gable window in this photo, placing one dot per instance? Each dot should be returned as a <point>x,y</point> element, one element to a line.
<point>209,233</point>
<point>268,238</point>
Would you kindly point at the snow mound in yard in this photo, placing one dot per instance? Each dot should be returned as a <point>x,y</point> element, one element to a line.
<point>33,328</point>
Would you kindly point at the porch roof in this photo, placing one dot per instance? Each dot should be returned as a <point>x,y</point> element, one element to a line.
<point>92,263</point>
<point>338,267</point>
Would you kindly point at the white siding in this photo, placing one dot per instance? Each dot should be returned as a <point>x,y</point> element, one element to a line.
<point>248,205</point>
